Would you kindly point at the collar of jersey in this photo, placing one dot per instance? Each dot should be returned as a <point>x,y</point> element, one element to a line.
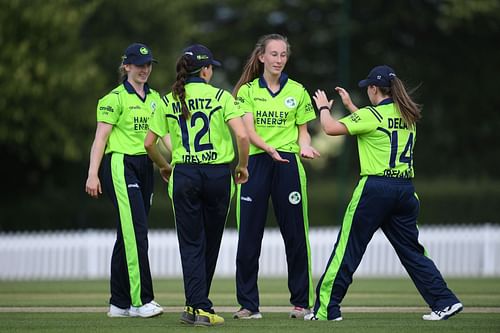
<point>195,79</point>
<point>131,89</point>
<point>385,101</point>
<point>283,80</point>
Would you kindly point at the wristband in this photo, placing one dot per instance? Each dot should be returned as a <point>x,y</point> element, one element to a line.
<point>324,107</point>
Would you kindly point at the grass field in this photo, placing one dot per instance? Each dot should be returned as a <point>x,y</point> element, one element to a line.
<point>371,305</point>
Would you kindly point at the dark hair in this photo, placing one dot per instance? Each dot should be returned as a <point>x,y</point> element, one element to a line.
<point>253,68</point>
<point>409,110</point>
<point>178,89</point>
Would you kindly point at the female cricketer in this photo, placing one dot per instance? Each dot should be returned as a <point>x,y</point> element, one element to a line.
<point>384,197</point>
<point>198,117</point>
<point>277,110</point>
<point>127,178</point>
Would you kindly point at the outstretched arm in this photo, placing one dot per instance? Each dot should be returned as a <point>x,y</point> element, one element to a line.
<point>330,125</point>
<point>346,99</point>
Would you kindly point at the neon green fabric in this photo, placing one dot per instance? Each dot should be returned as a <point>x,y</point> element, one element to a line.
<point>374,127</point>
<point>127,226</point>
<point>204,138</point>
<point>334,266</point>
<point>276,118</point>
<point>303,190</point>
<point>129,115</point>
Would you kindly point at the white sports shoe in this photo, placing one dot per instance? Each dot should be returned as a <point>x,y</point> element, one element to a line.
<point>246,314</point>
<point>148,310</point>
<point>299,312</point>
<point>312,316</point>
<point>445,313</point>
<point>116,312</point>
<point>157,305</point>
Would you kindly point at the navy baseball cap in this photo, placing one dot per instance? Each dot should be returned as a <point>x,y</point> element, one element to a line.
<point>380,76</point>
<point>138,54</point>
<point>199,56</point>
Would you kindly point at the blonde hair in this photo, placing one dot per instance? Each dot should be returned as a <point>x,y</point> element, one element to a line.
<point>253,68</point>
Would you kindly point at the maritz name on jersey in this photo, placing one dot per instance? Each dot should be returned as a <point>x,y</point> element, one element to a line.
<point>200,158</point>
<point>393,173</point>
<point>271,117</point>
<point>396,123</point>
<point>141,123</point>
<point>193,104</point>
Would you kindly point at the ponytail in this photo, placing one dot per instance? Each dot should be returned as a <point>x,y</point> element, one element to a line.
<point>409,110</point>
<point>178,88</point>
<point>253,68</point>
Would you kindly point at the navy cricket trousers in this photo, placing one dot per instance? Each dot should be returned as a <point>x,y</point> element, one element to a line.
<point>201,194</point>
<point>128,182</point>
<point>285,183</point>
<point>392,205</point>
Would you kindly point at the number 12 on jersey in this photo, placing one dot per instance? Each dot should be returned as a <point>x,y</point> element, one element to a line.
<point>204,130</point>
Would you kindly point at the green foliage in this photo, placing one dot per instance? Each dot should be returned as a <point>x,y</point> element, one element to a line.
<point>44,74</point>
<point>58,57</point>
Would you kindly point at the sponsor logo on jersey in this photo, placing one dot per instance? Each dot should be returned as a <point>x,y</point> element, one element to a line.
<point>260,99</point>
<point>153,105</point>
<point>354,117</point>
<point>247,199</point>
<point>309,108</point>
<point>270,118</point>
<point>290,102</point>
<point>294,197</point>
<point>106,108</point>
<point>134,107</point>
<point>141,123</point>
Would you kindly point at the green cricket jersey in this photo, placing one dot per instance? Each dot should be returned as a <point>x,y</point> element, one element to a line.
<point>276,116</point>
<point>385,142</point>
<point>129,115</point>
<point>204,138</point>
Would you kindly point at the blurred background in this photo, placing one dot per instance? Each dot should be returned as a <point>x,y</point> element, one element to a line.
<point>58,57</point>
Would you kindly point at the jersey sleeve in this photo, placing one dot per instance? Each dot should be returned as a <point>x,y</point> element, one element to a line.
<point>231,109</point>
<point>158,121</point>
<point>305,110</point>
<point>362,121</point>
<point>109,109</point>
<point>243,100</point>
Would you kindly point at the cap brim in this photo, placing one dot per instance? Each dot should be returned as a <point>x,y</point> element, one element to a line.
<point>143,61</point>
<point>364,83</point>
<point>216,63</point>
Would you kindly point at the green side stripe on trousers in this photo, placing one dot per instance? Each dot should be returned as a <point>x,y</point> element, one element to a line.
<point>303,191</point>
<point>127,224</point>
<point>333,268</point>
<point>238,202</point>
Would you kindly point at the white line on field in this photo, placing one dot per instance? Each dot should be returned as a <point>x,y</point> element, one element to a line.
<point>283,309</point>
